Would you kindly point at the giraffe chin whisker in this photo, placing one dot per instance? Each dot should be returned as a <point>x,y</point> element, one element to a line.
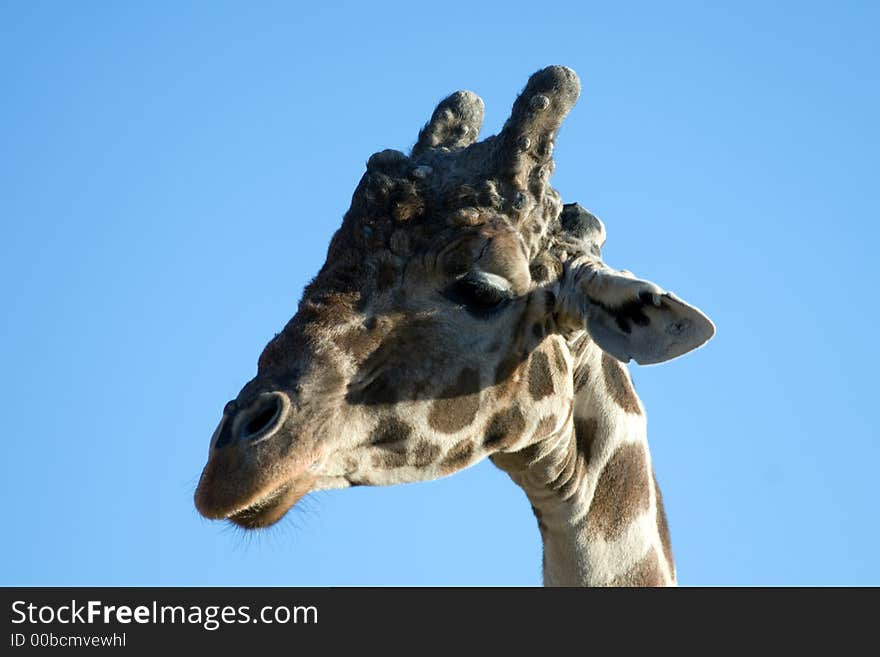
<point>270,508</point>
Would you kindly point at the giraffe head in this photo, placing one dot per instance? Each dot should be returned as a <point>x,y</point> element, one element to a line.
<point>444,323</point>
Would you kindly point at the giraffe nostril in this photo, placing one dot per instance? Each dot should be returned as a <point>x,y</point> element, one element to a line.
<point>262,417</point>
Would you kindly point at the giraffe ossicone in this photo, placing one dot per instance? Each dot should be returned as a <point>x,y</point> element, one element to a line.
<point>465,312</point>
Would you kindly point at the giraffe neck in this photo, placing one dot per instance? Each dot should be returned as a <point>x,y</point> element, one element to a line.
<point>592,487</point>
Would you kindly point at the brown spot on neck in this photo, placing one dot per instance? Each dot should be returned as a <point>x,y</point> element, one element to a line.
<point>622,492</point>
<point>425,454</point>
<point>619,385</point>
<point>586,430</point>
<point>390,436</point>
<point>540,376</point>
<point>504,429</point>
<point>458,405</point>
<point>388,459</point>
<point>390,430</point>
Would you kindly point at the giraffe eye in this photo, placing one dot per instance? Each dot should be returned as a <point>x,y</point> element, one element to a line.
<point>479,294</point>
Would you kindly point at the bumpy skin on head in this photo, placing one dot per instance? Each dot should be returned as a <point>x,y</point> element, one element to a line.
<point>446,325</point>
<point>450,180</point>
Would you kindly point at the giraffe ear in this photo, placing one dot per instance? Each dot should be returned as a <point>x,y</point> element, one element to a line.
<point>630,318</point>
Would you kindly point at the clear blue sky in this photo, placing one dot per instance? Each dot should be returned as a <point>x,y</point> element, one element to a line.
<point>171,174</point>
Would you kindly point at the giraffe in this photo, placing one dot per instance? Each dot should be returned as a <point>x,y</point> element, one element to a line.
<point>465,312</point>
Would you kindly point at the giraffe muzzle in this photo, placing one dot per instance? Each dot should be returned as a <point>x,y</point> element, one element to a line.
<point>257,467</point>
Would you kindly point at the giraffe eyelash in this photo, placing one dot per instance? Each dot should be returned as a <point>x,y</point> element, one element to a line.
<point>479,294</point>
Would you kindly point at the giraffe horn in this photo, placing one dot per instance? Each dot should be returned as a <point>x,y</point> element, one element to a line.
<point>454,124</point>
<point>526,141</point>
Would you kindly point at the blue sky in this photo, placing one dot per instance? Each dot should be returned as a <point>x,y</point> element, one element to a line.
<point>172,174</point>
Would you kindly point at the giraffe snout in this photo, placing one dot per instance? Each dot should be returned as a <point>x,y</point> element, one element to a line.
<point>257,467</point>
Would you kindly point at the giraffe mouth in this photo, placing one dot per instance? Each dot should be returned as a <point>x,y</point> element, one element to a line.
<point>270,508</point>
